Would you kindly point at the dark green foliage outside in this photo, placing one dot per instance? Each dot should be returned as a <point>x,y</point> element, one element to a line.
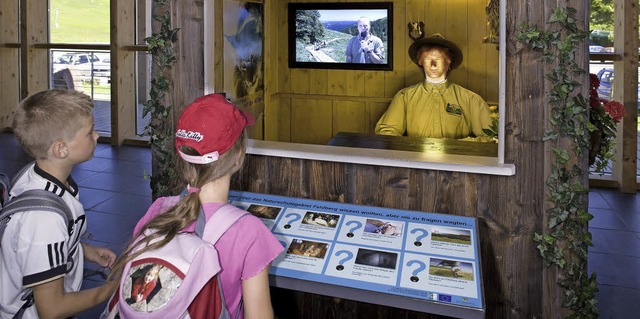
<point>308,26</point>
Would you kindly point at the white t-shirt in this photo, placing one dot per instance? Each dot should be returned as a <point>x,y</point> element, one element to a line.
<point>37,247</point>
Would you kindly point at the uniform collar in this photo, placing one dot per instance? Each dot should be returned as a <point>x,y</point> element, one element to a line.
<point>435,88</point>
<point>74,187</point>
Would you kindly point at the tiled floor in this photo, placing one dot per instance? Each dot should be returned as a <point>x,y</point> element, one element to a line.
<point>115,195</point>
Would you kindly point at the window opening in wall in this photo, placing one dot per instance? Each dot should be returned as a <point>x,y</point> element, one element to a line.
<point>88,72</point>
<point>79,21</point>
<point>76,24</point>
<point>601,41</point>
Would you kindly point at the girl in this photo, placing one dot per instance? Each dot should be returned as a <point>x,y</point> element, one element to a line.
<point>210,141</point>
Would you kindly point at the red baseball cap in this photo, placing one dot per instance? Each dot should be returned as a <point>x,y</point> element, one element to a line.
<point>210,125</point>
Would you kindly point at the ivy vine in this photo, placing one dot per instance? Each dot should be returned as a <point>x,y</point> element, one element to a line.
<point>160,127</point>
<point>566,243</point>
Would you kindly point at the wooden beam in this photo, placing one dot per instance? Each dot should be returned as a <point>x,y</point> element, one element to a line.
<point>9,61</point>
<point>625,86</point>
<point>123,83</point>
<point>35,62</point>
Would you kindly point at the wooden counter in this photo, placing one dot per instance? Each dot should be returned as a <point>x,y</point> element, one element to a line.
<point>415,144</point>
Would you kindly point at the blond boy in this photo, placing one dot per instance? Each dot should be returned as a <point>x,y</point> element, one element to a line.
<point>41,258</point>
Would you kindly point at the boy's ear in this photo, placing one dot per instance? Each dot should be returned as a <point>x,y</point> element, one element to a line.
<point>59,149</point>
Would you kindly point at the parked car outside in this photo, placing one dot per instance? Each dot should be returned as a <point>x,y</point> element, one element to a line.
<point>85,65</point>
<point>102,70</point>
<point>606,80</point>
<point>595,48</point>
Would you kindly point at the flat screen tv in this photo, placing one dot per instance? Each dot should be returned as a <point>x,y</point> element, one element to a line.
<point>341,35</point>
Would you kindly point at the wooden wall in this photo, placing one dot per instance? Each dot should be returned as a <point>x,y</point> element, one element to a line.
<point>510,209</point>
<point>9,61</point>
<point>311,105</point>
<point>419,190</point>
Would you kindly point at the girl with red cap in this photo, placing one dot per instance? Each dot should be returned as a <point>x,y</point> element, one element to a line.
<point>211,143</point>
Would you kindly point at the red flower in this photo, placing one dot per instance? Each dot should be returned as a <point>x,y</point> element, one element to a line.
<point>615,109</point>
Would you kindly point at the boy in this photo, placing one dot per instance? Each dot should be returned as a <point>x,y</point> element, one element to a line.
<point>39,253</point>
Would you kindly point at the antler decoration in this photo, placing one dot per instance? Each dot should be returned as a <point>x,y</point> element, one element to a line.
<point>416,30</point>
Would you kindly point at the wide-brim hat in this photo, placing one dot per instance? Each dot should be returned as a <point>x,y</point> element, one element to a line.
<point>437,39</point>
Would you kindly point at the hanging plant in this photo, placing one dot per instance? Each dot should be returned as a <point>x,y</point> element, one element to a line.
<point>160,127</point>
<point>567,240</point>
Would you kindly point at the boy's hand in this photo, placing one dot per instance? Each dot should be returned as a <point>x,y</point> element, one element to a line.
<point>100,255</point>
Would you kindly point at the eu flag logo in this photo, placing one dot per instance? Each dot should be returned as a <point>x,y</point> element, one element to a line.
<point>446,298</point>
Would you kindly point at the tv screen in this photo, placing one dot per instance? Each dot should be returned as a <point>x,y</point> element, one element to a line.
<point>341,35</point>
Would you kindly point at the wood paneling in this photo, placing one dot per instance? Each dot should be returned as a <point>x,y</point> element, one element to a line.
<point>35,72</point>
<point>626,75</point>
<point>9,61</point>
<point>123,85</point>
<point>460,21</point>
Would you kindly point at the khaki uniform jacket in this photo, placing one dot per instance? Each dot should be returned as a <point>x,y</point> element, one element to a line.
<point>444,110</point>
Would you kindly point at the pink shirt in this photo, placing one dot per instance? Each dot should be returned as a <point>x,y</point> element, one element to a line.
<point>244,250</point>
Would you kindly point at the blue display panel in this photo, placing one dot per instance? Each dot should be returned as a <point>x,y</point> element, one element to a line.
<point>425,256</point>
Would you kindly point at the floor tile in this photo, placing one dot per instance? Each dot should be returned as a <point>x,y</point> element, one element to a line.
<point>597,201</point>
<point>618,302</point>
<point>127,153</point>
<point>97,164</point>
<point>128,168</point>
<point>81,174</point>
<point>90,197</point>
<point>632,220</point>
<point>118,183</point>
<point>607,219</point>
<point>107,230</point>
<point>128,205</point>
<point>615,242</point>
<point>624,203</point>
<point>615,270</point>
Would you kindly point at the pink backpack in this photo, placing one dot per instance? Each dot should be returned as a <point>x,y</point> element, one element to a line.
<point>178,280</point>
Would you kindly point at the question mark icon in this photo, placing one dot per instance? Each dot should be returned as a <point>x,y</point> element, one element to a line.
<point>357,225</point>
<point>348,254</point>
<point>421,267</point>
<point>283,243</point>
<point>418,242</point>
<point>295,218</point>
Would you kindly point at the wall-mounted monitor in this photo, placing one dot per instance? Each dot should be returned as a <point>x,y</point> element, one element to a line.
<point>341,35</point>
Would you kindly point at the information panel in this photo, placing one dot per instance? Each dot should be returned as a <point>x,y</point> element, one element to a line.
<point>425,256</point>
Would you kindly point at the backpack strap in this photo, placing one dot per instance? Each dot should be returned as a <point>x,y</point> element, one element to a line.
<point>38,200</point>
<point>221,220</point>
<point>216,226</point>
<point>5,184</point>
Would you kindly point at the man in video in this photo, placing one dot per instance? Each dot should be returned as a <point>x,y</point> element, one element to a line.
<point>365,47</point>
